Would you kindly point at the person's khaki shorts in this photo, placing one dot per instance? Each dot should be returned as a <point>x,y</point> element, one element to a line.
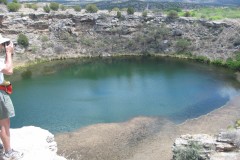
<point>6,106</point>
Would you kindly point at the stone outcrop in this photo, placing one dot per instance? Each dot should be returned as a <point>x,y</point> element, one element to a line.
<point>35,143</point>
<point>224,146</point>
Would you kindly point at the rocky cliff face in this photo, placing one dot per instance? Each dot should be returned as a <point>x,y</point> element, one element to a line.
<point>72,34</point>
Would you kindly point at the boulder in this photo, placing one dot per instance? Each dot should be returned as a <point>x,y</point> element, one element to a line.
<point>223,147</point>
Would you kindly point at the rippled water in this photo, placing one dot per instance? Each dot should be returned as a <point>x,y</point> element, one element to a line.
<point>66,95</point>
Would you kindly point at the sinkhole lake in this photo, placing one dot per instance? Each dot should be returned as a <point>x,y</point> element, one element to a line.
<point>63,96</point>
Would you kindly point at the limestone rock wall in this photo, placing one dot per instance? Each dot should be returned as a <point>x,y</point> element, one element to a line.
<point>73,34</point>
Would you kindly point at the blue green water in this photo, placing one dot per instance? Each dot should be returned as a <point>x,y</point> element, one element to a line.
<point>66,95</point>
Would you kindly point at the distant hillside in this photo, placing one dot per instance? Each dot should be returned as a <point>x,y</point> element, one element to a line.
<point>189,2</point>
<point>142,5</point>
<point>216,2</point>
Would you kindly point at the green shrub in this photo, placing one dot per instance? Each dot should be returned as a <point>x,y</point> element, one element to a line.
<point>130,10</point>
<point>77,8</point>
<point>237,56</point>
<point>203,16</point>
<point>87,41</point>
<point>144,13</point>
<point>4,2</point>
<point>119,14</point>
<point>187,14</point>
<point>161,32</point>
<point>54,6</point>
<point>202,59</point>
<point>172,14</point>
<point>44,38</point>
<point>191,152</point>
<point>124,9</point>
<point>13,7</point>
<point>116,9</point>
<point>32,6</point>
<point>62,7</point>
<point>46,9</point>
<point>91,8</point>
<point>218,62</point>
<point>34,48</point>
<point>233,64</point>
<point>182,45</point>
<point>15,1</point>
<point>22,40</point>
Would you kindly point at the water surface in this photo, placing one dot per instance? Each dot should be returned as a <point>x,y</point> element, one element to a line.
<point>66,95</point>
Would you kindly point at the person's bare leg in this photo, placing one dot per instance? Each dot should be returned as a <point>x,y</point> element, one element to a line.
<point>5,133</point>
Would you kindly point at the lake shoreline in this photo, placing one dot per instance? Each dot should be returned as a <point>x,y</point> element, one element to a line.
<point>141,137</point>
<point>144,137</point>
<point>22,65</point>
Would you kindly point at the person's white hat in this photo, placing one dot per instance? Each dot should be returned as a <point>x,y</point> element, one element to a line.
<point>2,40</point>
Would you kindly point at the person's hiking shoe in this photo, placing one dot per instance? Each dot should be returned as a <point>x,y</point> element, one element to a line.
<point>13,155</point>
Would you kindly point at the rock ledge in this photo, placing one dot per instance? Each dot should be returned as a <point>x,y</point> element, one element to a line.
<point>35,142</point>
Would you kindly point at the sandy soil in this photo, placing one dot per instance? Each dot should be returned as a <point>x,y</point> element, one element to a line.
<point>142,138</point>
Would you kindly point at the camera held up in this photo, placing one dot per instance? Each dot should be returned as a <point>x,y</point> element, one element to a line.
<point>6,43</point>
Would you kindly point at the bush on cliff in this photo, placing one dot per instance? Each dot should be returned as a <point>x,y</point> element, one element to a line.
<point>187,14</point>
<point>116,9</point>
<point>62,7</point>
<point>22,40</point>
<point>144,13</point>
<point>13,7</point>
<point>91,8</point>
<point>32,6</point>
<point>183,45</point>
<point>46,9</point>
<point>191,152</point>
<point>130,10</point>
<point>234,63</point>
<point>119,14</point>
<point>218,62</point>
<point>172,14</point>
<point>54,6</point>
<point>202,59</point>
<point>77,8</point>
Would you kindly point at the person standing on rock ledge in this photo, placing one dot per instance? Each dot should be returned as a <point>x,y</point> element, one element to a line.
<point>6,106</point>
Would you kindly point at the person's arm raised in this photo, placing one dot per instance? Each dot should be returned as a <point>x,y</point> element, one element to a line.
<point>8,69</point>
